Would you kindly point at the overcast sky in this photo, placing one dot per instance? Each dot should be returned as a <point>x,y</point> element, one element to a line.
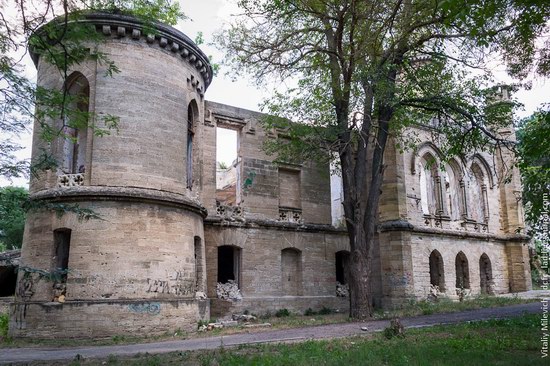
<point>208,16</point>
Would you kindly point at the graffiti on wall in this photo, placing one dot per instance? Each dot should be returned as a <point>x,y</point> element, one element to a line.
<point>179,284</point>
<point>151,308</point>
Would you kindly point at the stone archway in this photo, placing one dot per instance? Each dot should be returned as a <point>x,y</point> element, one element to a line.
<point>462,271</point>
<point>485,275</point>
<point>437,271</point>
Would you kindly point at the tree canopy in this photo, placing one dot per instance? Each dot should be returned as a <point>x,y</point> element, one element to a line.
<point>12,216</point>
<point>366,70</point>
<point>534,163</point>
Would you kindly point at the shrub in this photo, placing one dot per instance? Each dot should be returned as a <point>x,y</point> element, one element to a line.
<point>326,311</point>
<point>395,329</point>
<point>282,313</point>
<point>4,321</point>
<point>310,312</point>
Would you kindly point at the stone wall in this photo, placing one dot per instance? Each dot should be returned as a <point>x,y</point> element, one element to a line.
<point>261,183</point>
<point>270,305</point>
<point>98,319</point>
<point>262,248</point>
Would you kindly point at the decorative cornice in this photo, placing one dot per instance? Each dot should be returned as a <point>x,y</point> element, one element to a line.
<point>127,194</point>
<point>166,37</point>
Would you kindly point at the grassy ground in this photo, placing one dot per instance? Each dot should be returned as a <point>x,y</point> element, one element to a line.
<point>292,321</point>
<point>494,342</point>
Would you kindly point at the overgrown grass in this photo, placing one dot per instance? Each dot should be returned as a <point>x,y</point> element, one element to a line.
<point>495,342</point>
<point>444,305</point>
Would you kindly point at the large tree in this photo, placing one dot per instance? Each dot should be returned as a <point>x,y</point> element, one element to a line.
<point>365,70</point>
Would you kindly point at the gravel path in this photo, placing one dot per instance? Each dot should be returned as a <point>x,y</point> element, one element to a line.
<point>22,355</point>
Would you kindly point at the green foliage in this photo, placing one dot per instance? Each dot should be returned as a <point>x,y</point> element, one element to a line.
<point>12,216</point>
<point>310,312</point>
<point>4,323</point>
<point>534,163</point>
<point>281,313</point>
<point>538,270</point>
<point>325,311</point>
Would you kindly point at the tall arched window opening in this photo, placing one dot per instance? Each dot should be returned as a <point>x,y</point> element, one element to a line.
<point>486,275</point>
<point>430,186</point>
<point>462,271</point>
<point>75,124</point>
<point>190,136</point>
<point>437,272</point>
<point>453,193</point>
<point>478,195</point>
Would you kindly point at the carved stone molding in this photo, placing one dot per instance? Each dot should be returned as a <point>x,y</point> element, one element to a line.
<point>166,37</point>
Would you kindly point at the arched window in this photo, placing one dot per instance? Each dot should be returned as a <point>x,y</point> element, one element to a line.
<point>454,190</point>
<point>437,271</point>
<point>478,195</point>
<point>291,271</point>
<point>75,124</point>
<point>485,275</point>
<point>430,186</point>
<point>462,271</point>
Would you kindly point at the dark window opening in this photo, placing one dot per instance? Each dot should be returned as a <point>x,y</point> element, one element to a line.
<point>8,280</point>
<point>342,267</point>
<point>228,264</point>
<point>62,242</point>
<point>486,275</point>
<point>190,135</point>
<point>199,270</point>
<point>462,271</point>
<point>437,273</point>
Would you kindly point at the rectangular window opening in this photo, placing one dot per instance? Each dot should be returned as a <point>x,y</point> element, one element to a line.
<point>227,167</point>
<point>62,242</point>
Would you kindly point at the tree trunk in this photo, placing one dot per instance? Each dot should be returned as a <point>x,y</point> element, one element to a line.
<point>359,285</point>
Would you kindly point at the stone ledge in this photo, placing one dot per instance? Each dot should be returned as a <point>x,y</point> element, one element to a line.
<point>279,225</point>
<point>113,193</point>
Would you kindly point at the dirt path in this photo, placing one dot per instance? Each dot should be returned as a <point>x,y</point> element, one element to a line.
<point>22,355</point>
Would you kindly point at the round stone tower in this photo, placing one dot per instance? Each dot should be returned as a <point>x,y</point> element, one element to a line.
<point>139,268</point>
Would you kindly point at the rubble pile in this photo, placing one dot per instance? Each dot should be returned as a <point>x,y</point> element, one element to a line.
<point>243,317</point>
<point>342,290</point>
<point>228,291</point>
<point>434,293</point>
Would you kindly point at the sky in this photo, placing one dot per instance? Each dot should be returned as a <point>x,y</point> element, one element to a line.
<point>208,16</point>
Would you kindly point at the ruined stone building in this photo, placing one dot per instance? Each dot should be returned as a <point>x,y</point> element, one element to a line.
<point>182,239</point>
